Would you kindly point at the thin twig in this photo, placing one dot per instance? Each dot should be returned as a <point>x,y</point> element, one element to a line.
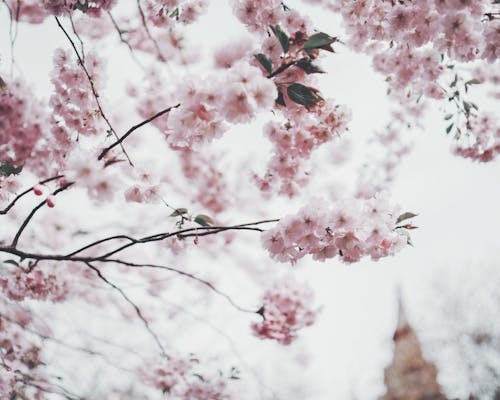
<point>82,47</point>
<point>92,87</point>
<point>125,41</point>
<point>33,212</point>
<point>188,275</point>
<point>148,32</point>
<point>136,308</point>
<point>13,202</point>
<point>133,128</point>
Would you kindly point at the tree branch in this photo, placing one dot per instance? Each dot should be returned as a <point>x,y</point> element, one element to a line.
<point>135,306</point>
<point>33,212</point>
<point>92,87</point>
<point>133,128</point>
<point>13,202</point>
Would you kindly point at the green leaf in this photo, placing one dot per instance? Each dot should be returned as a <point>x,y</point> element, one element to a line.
<point>282,37</point>
<point>178,212</point>
<point>304,95</point>
<point>7,169</point>
<point>449,128</point>
<point>265,61</point>
<point>467,106</point>
<point>454,83</point>
<point>448,117</point>
<point>203,220</point>
<point>404,216</point>
<point>308,67</point>
<point>174,14</point>
<point>318,40</point>
<point>280,100</point>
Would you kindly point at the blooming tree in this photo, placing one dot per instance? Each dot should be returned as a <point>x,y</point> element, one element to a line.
<point>91,203</point>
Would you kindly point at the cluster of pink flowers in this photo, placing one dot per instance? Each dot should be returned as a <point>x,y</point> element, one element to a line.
<point>36,11</point>
<point>480,140</point>
<point>165,12</point>
<point>167,44</point>
<point>349,229</point>
<point>258,15</point>
<point>8,186</point>
<point>73,104</point>
<point>30,11</point>
<point>177,377</point>
<point>37,284</point>
<point>287,308</point>
<point>21,357</point>
<point>83,168</point>
<point>90,7</point>
<point>384,155</point>
<point>203,110</point>
<point>294,142</point>
<point>22,119</point>
<point>409,37</point>
<point>7,382</point>
<point>146,187</point>
<point>206,178</point>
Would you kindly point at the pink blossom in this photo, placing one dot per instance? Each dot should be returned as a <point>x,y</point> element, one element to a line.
<point>287,307</point>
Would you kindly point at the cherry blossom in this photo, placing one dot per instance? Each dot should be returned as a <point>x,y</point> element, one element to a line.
<point>287,308</point>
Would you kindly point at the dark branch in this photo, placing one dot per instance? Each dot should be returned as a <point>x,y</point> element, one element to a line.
<point>92,87</point>
<point>13,202</point>
<point>132,129</point>
<point>33,212</point>
<point>135,306</point>
<point>188,275</point>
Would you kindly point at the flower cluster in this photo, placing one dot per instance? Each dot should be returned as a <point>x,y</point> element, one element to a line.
<point>481,141</point>
<point>203,174</point>
<point>287,308</point>
<point>21,356</point>
<point>36,11</point>
<point>163,13</point>
<point>22,119</point>
<point>37,284</point>
<point>203,110</point>
<point>349,229</point>
<point>257,15</point>
<point>83,168</point>
<point>385,152</point>
<point>74,106</point>
<point>90,7</point>
<point>147,186</point>
<point>177,377</point>
<point>294,142</point>
<point>8,186</point>
<point>409,37</point>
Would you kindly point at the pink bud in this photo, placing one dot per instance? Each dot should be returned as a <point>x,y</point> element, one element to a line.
<point>50,201</point>
<point>38,190</point>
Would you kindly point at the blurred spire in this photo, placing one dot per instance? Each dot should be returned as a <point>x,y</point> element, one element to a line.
<point>410,376</point>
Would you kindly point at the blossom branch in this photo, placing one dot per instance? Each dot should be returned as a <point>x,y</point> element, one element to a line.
<point>92,87</point>
<point>148,32</point>
<point>33,212</point>
<point>13,202</point>
<point>123,40</point>
<point>133,128</point>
